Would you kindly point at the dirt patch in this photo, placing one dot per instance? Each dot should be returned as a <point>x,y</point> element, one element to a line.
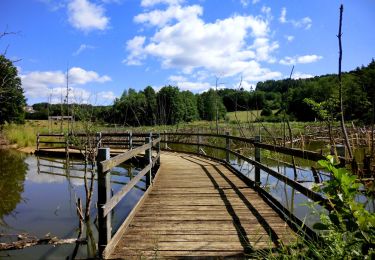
<point>27,149</point>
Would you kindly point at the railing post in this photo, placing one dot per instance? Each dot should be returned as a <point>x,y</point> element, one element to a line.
<point>37,141</point>
<point>199,142</point>
<point>130,140</point>
<point>99,139</point>
<point>158,147</point>
<point>257,159</point>
<point>104,195</point>
<point>227,146</point>
<point>165,140</point>
<point>148,157</point>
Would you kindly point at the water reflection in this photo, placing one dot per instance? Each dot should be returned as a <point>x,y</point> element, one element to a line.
<point>39,196</point>
<point>12,178</point>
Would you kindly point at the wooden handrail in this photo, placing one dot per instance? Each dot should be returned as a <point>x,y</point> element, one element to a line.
<point>124,190</point>
<point>110,163</point>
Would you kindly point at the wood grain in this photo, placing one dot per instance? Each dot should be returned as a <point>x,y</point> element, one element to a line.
<point>199,208</point>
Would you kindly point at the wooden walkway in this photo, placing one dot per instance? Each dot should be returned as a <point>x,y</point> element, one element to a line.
<point>199,208</point>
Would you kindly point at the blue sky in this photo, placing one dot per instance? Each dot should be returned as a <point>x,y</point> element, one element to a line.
<point>109,46</point>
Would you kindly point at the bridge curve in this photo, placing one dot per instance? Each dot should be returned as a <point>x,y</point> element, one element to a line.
<point>198,207</point>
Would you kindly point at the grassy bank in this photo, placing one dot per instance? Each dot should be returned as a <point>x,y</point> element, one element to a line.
<point>25,135</point>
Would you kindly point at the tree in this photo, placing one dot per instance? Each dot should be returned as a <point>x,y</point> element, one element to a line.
<point>12,99</point>
<point>207,103</point>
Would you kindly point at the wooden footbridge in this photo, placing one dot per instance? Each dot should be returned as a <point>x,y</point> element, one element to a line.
<point>196,203</point>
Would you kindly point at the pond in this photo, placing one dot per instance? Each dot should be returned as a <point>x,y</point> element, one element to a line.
<point>38,197</point>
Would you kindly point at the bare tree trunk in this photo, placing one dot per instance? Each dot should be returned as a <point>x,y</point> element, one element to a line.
<point>346,138</point>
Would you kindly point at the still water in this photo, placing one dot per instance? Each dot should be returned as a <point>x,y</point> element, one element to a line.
<point>38,197</point>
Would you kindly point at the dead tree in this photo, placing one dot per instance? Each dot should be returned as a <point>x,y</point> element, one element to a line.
<point>346,138</point>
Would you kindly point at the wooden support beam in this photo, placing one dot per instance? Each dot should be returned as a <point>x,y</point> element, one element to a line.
<point>104,195</point>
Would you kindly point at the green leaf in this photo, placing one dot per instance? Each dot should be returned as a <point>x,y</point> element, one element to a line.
<point>320,226</point>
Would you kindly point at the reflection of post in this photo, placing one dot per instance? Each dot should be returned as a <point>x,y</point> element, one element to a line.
<point>148,157</point>
<point>227,140</point>
<point>257,158</point>
<point>104,195</point>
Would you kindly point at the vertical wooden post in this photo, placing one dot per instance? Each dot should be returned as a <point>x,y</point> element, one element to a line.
<point>148,157</point>
<point>130,140</point>
<point>37,141</point>
<point>158,149</point>
<point>67,146</point>
<point>99,139</point>
<point>199,142</point>
<point>257,159</point>
<point>104,195</point>
<point>340,149</point>
<point>227,141</point>
<point>165,140</point>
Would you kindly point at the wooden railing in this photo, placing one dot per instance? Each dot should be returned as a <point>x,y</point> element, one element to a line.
<point>132,141</point>
<point>170,139</point>
<point>106,202</point>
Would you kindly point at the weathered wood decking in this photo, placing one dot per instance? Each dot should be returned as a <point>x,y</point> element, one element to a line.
<point>198,207</point>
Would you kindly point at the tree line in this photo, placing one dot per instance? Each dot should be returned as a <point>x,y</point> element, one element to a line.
<point>295,98</point>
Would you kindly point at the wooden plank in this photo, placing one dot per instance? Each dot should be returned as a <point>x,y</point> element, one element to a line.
<point>194,210</point>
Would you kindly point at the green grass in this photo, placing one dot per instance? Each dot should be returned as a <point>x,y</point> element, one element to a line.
<point>244,116</point>
<point>25,135</point>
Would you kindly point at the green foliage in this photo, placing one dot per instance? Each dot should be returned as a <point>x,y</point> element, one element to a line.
<point>266,111</point>
<point>12,99</point>
<point>358,88</point>
<point>208,104</point>
<point>349,229</point>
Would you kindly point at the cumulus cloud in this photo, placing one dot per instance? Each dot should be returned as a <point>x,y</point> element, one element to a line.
<point>42,84</point>
<point>161,17</point>
<point>87,16</point>
<point>224,47</point>
<point>184,84</point>
<point>300,59</point>
<point>305,22</point>
<point>80,76</point>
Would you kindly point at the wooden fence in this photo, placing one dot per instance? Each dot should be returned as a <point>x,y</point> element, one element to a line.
<point>106,202</point>
<point>137,146</point>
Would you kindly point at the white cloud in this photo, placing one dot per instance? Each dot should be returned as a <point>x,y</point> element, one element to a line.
<point>183,40</point>
<point>42,84</point>
<point>255,1</point>
<point>162,17</point>
<point>81,76</point>
<point>150,3</point>
<point>300,75</point>
<point>289,38</point>
<point>305,22</point>
<point>135,47</point>
<point>282,18</point>
<point>87,16</point>
<point>82,48</point>
<point>300,59</point>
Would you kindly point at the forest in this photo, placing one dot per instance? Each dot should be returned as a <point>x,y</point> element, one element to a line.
<point>294,98</point>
